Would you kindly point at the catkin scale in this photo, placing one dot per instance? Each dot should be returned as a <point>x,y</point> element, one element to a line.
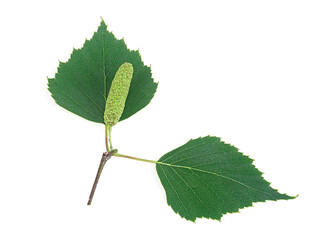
<point>118,94</point>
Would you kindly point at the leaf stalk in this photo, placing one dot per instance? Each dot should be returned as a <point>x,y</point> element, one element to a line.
<point>110,141</point>
<point>106,138</point>
<point>134,158</point>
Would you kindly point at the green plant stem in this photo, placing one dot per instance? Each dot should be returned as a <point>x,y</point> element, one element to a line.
<point>110,141</point>
<point>134,158</point>
<point>106,138</point>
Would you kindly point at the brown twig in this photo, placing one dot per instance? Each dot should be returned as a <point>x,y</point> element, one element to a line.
<point>105,157</point>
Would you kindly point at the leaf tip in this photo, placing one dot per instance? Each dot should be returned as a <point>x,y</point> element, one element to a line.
<point>102,25</point>
<point>102,20</point>
<point>290,197</point>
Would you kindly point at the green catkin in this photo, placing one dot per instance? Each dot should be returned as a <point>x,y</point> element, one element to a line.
<point>118,94</point>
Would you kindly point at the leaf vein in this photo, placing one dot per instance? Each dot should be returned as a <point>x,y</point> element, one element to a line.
<point>190,187</point>
<point>84,91</point>
<point>184,151</point>
<point>216,174</point>
<point>114,61</point>
<point>175,191</point>
<point>88,73</point>
<point>206,184</point>
<point>129,106</point>
<point>203,155</point>
<point>66,94</point>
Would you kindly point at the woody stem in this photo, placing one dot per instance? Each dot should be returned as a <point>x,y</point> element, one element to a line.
<point>105,157</point>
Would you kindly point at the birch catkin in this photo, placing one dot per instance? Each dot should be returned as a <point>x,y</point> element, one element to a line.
<point>118,94</point>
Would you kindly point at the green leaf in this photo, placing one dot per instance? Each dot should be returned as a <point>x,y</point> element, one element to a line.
<point>208,178</point>
<point>82,83</point>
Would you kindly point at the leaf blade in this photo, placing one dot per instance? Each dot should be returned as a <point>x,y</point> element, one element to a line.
<point>81,85</point>
<point>215,179</point>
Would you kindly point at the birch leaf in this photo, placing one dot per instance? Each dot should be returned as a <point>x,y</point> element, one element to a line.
<point>81,85</point>
<point>208,178</point>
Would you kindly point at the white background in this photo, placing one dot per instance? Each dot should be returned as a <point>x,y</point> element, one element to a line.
<point>247,71</point>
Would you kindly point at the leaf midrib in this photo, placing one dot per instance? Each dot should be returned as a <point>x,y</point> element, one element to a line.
<point>213,173</point>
